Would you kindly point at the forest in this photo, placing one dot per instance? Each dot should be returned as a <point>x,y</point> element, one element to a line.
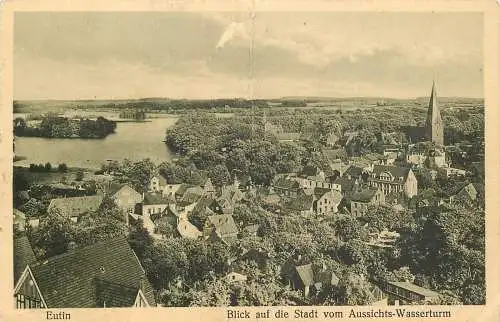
<point>62,127</point>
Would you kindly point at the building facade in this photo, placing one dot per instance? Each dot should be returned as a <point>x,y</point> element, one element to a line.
<point>392,179</point>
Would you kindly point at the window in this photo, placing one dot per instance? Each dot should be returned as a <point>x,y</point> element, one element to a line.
<point>25,302</point>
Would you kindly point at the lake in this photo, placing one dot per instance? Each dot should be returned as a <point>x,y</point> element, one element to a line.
<point>133,141</point>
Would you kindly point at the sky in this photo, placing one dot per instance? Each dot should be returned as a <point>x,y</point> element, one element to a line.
<point>117,55</point>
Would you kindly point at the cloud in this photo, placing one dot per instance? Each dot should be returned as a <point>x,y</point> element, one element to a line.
<point>332,54</point>
<point>234,29</point>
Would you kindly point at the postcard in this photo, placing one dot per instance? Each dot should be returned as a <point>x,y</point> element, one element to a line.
<point>249,160</point>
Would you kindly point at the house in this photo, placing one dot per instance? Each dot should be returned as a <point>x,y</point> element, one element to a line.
<point>335,154</point>
<point>347,137</point>
<point>394,179</point>
<point>447,172</point>
<point>307,278</point>
<point>360,200</point>
<point>126,198</point>
<point>19,221</point>
<point>288,136</point>
<point>389,159</point>
<point>354,173</point>
<point>310,137</point>
<point>326,201</point>
<point>250,230</point>
<point>312,177</point>
<point>104,274</point>
<point>210,205</point>
<point>232,193</point>
<point>159,183</point>
<point>208,188</point>
<point>279,133</point>
<point>345,185</point>
<point>187,230</point>
<point>156,183</point>
<point>284,186</point>
<point>225,205</point>
<point>384,239</point>
<point>153,203</point>
<point>220,227</point>
<point>234,277</point>
<point>437,159</point>
<point>182,225</point>
<point>408,293</point>
<point>466,193</point>
<point>257,255</point>
<point>74,207</point>
<point>379,295</point>
<point>302,205</point>
<point>331,139</point>
<point>23,255</point>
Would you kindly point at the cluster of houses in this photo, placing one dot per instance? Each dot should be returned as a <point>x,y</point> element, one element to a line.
<point>349,188</point>
<point>108,273</point>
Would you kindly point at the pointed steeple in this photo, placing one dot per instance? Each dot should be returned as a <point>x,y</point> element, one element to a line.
<point>434,124</point>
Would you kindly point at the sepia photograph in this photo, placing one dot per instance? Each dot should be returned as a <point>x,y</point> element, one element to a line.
<point>247,159</point>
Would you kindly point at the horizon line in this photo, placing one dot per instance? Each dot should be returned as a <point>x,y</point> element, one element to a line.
<point>311,97</point>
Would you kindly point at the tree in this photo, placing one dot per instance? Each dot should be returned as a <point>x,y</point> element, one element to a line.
<point>33,208</point>
<point>347,227</point>
<point>211,292</point>
<point>62,167</point>
<point>79,175</point>
<point>93,229</point>
<point>109,209</point>
<point>139,239</point>
<point>165,229</point>
<point>219,175</point>
<point>139,174</point>
<point>448,248</point>
<point>48,167</point>
<point>19,126</point>
<point>55,233</point>
<point>353,290</point>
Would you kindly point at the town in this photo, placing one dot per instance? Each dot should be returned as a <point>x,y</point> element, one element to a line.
<point>379,205</point>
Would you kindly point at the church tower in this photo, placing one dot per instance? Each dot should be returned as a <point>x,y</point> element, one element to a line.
<point>434,128</point>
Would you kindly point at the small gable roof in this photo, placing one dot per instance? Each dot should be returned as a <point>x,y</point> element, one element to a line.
<point>152,198</point>
<point>334,194</point>
<point>23,255</point>
<point>301,203</point>
<point>335,154</point>
<point>187,230</point>
<point>19,216</point>
<point>285,183</point>
<point>393,170</point>
<point>353,171</point>
<point>365,195</point>
<point>85,276</point>
<point>224,224</point>
<point>415,289</point>
<point>76,206</point>
<point>310,171</point>
<point>117,189</point>
<point>345,183</point>
<point>251,229</point>
<point>305,274</point>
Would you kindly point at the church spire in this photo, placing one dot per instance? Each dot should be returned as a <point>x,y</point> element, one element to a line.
<point>434,124</point>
